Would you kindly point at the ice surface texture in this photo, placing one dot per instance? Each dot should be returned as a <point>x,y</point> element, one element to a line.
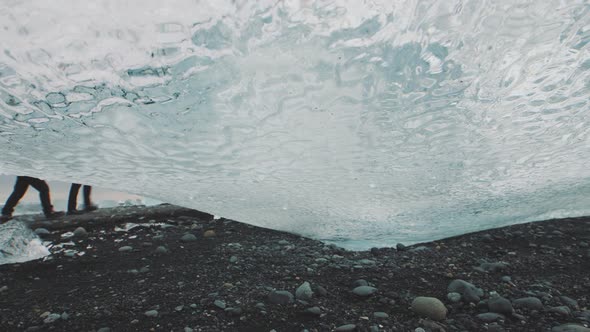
<point>362,122</point>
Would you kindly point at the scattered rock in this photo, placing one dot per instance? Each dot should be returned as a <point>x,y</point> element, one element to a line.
<point>188,237</point>
<point>219,304</point>
<point>561,310</point>
<point>573,304</point>
<point>51,318</point>
<point>344,328</point>
<point>125,248</point>
<point>381,315</point>
<point>489,317</point>
<point>80,232</point>
<point>304,292</point>
<point>314,311</point>
<point>151,313</point>
<point>161,250</point>
<point>104,329</point>
<point>492,267</point>
<point>499,305</point>
<point>209,233</point>
<point>233,259</point>
<point>530,303</point>
<point>570,328</point>
<point>401,247</point>
<point>429,307</point>
<point>364,291</point>
<point>468,291</point>
<point>454,297</point>
<point>321,291</point>
<point>280,297</point>
<point>360,282</point>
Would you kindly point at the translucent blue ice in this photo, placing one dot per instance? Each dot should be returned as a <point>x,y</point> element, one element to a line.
<point>366,123</point>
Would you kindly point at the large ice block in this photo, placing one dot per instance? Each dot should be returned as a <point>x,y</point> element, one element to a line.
<point>365,123</point>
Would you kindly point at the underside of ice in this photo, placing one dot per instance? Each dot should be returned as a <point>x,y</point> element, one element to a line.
<point>361,122</point>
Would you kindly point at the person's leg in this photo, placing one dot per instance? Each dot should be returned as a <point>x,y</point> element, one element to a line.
<point>88,206</point>
<point>73,198</point>
<point>20,189</point>
<point>87,192</point>
<point>44,195</point>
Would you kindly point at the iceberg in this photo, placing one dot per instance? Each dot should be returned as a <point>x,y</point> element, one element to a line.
<point>363,123</point>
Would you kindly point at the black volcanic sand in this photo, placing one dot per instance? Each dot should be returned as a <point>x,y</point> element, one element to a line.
<point>222,282</point>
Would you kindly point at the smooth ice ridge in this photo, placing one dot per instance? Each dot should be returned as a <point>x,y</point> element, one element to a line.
<point>362,123</point>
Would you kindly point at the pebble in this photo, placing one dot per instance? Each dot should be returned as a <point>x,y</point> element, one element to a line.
<point>573,304</point>
<point>489,317</point>
<point>219,304</point>
<point>530,303</point>
<point>104,329</point>
<point>454,297</point>
<point>570,328</point>
<point>380,314</point>
<point>80,232</point>
<point>500,305</point>
<point>188,237</point>
<point>321,291</point>
<point>161,250</point>
<point>314,311</point>
<point>280,297</point>
<point>364,291</point>
<point>188,329</point>
<point>125,249</point>
<point>233,259</point>
<point>492,267</point>
<point>51,318</point>
<point>561,310</point>
<point>209,233</point>
<point>468,291</point>
<point>151,313</point>
<point>347,327</point>
<point>429,307</point>
<point>304,292</point>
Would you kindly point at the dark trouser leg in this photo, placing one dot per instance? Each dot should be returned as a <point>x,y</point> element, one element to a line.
<point>43,189</point>
<point>20,189</point>
<point>73,199</point>
<point>87,192</point>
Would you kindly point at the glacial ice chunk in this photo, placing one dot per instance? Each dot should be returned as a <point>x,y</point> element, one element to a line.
<point>362,123</point>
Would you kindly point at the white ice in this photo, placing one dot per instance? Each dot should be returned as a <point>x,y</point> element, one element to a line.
<point>364,123</point>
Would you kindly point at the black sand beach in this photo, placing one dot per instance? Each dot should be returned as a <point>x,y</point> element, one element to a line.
<point>229,276</point>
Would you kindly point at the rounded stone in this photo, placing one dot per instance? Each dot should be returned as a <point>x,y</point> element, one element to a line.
<point>454,297</point>
<point>209,233</point>
<point>500,305</point>
<point>364,291</point>
<point>530,303</point>
<point>188,238</point>
<point>125,248</point>
<point>304,292</point>
<point>430,307</point>
<point>280,297</point>
<point>347,327</point>
<point>468,291</point>
<point>80,232</point>
<point>151,313</point>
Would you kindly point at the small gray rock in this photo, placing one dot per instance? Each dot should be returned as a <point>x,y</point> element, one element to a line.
<point>188,237</point>
<point>561,310</point>
<point>468,291</point>
<point>219,304</point>
<point>380,314</point>
<point>530,303</point>
<point>51,318</point>
<point>570,328</point>
<point>188,329</point>
<point>364,291</point>
<point>314,311</point>
<point>151,313</point>
<point>233,259</point>
<point>280,297</point>
<point>454,297</point>
<point>304,292</point>
<point>573,304</point>
<point>80,232</point>
<point>125,249</point>
<point>500,305</point>
<point>401,247</point>
<point>489,317</point>
<point>492,267</point>
<point>347,327</point>
<point>429,307</point>
<point>104,329</point>
<point>321,291</point>
<point>161,250</point>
